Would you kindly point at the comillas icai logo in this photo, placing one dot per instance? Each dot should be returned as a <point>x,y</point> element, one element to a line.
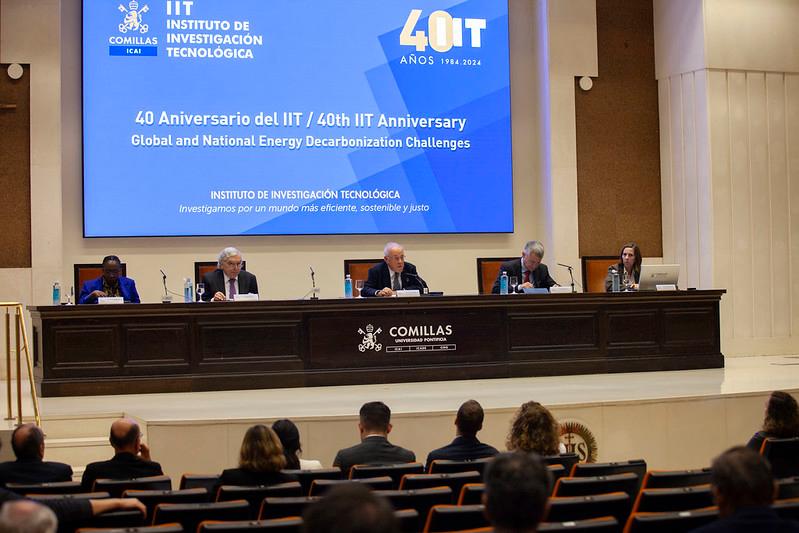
<point>132,38</point>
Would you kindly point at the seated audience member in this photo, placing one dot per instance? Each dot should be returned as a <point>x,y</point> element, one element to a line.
<point>628,267</point>
<point>351,508</point>
<point>781,420</point>
<point>228,279</point>
<point>27,441</point>
<point>70,513</point>
<point>465,447</point>
<point>392,274</point>
<point>289,437</point>
<point>374,449</point>
<point>743,489</point>
<point>534,429</point>
<point>131,457</point>
<point>517,487</point>
<point>27,516</point>
<point>529,270</point>
<point>261,460</point>
<point>111,283</point>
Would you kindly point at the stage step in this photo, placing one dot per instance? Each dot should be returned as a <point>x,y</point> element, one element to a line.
<point>78,452</point>
<point>71,427</point>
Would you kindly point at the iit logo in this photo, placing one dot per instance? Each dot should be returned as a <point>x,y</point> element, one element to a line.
<point>133,18</point>
<point>443,31</point>
<point>369,341</point>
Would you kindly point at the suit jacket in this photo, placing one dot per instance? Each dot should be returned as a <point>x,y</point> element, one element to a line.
<point>380,278</point>
<point>215,282</point>
<point>462,449</point>
<point>127,288</point>
<point>374,450</point>
<point>70,513</point>
<point>619,267</point>
<point>539,277</point>
<point>122,466</point>
<point>34,471</point>
<point>750,519</point>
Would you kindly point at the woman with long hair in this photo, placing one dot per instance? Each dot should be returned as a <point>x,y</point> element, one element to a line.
<point>289,436</point>
<point>628,267</point>
<point>261,460</point>
<point>534,429</point>
<point>781,420</point>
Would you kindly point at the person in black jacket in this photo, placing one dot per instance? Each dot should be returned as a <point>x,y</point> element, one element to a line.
<point>393,274</point>
<point>781,420</point>
<point>27,441</point>
<point>465,447</point>
<point>228,279</point>
<point>529,271</point>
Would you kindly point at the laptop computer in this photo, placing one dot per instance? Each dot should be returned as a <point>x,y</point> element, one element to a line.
<point>654,275</point>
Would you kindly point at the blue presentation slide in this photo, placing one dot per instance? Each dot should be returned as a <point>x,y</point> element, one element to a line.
<point>292,117</point>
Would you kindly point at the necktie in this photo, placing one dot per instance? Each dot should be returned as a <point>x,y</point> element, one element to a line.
<point>232,291</point>
<point>395,284</point>
<point>527,276</point>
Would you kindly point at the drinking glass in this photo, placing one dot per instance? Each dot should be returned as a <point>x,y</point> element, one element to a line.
<point>359,286</point>
<point>201,291</point>
<point>514,281</point>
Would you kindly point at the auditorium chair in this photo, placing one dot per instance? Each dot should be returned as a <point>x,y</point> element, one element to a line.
<point>455,518</point>
<point>672,479</point>
<point>161,528</point>
<point>394,471</point>
<point>321,486</point>
<point>675,522</point>
<point>421,500</point>
<point>471,494</point>
<point>587,486</point>
<point>359,269</point>
<point>567,460</point>
<point>115,487</point>
<point>57,487</point>
<point>117,520</point>
<point>668,500</point>
<point>75,496</point>
<point>787,488</point>
<point>787,509</point>
<point>283,507</point>
<point>605,524</point>
<point>189,515</point>
<point>615,504</point>
<point>84,272</point>
<point>783,455</point>
<point>201,268</point>
<point>408,520</point>
<point>255,495</point>
<point>151,498</point>
<point>557,472</point>
<point>425,481</point>
<point>636,466</point>
<point>200,481</point>
<point>291,524</point>
<point>595,270</point>
<point>487,271</point>
<point>306,477</point>
<point>446,466</point>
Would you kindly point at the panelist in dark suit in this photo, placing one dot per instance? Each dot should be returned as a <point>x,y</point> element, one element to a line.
<point>628,267</point>
<point>228,279</point>
<point>27,442</point>
<point>465,447</point>
<point>374,449</point>
<point>111,283</point>
<point>529,270</point>
<point>392,274</point>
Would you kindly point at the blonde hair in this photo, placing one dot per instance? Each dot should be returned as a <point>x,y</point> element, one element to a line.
<point>261,450</point>
<point>534,429</point>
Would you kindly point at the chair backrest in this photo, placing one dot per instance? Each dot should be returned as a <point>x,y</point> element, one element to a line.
<point>359,268</point>
<point>586,486</point>
<point>788,488</point>
<point>568,460</point>
<point>115,487</point>
<point>605,524</point>
<point>455,518</point>
<point>595,270</point>
<point>59,487</point>
<point>201,268</point>
<point>306,477</point>
<point>668,500</point>
<point>421,500</point>
<point>292,524</point>
<point>117,520</point>
<point>255,495</point>
<point>487,271</point>
<point>189,515</point>
<point>394,471</point>
<point>557,472</point>
<point>636,466</point>
<point>787,509</point>
<point>321,486</point>
<point>670,522</point>
<point>471,494</point>
<point>84,272</point>
<point>783,454</point>
<point>283,507</point>
<point>564,509</point>
<point>454,481</point>
<point>200,481</point>
<point>408,520</point>
<point>151,498</point>
<point>161,528</point>
<point>446,466</point>
<point>671,479</point>
<point>75,496</point>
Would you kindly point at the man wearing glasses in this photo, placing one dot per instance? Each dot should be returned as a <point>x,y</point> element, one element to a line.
<point>393,274</point>
<point>111,283</point>
<point>228,279</point>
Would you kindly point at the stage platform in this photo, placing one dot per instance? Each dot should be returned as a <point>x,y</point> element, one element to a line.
<point>672,419</point>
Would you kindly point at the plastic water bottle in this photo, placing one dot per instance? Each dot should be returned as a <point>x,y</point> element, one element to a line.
<point>615,281</point>
<point>348,287</point>
<point>188,291</point>
<point>503,283</point>
<point>56,293</point>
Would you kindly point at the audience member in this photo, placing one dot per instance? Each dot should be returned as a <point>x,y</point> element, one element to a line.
<point>27,516</point>
<point>351,508</point>
<point>131,457</point>
<point>374,427</point>
<point>465,447</point>
<point>743,489</point>
<point>517,487</point>
<point>781,420</point>
<point>261,460</point>
<point>27,441</point>
<point>289,437</point>
<point>534,429</point>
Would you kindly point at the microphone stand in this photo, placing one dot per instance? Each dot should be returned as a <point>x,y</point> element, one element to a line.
<point>314,292</point>
<point>571,274</point>
<point>166,298</point>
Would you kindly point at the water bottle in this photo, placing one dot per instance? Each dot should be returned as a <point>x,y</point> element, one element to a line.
<point>188,291</point>
<point>348,287</point>
<point>56,293</point>
<point>615,281</point>
<point>503,283</point>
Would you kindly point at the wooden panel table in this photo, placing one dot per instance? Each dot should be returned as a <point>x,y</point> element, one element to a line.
<point>127,349</point>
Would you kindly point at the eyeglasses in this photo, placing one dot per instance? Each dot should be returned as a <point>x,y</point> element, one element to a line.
<point>234,265</point>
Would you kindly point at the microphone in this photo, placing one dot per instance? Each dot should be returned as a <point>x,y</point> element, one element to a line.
<point>314,290</point>
<point>571,275</point>
<point>565,266</point>
<point>417,276</point>
<point>166,293</point>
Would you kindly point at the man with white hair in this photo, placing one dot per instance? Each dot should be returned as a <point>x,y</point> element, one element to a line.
<point>27,516</point>
<point>529,272</point>
<point>228,279</point>
<point>393,274</point>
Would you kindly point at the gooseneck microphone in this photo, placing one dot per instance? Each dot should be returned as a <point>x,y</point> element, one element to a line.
<point>166,292</point>
<point>417,276</point>
<point>571,273</point>
<point>314,290</point>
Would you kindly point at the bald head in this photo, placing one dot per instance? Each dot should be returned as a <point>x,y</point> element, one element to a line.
<point>27,441</point>
<point>125,435</point>
<point>27,516</point>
